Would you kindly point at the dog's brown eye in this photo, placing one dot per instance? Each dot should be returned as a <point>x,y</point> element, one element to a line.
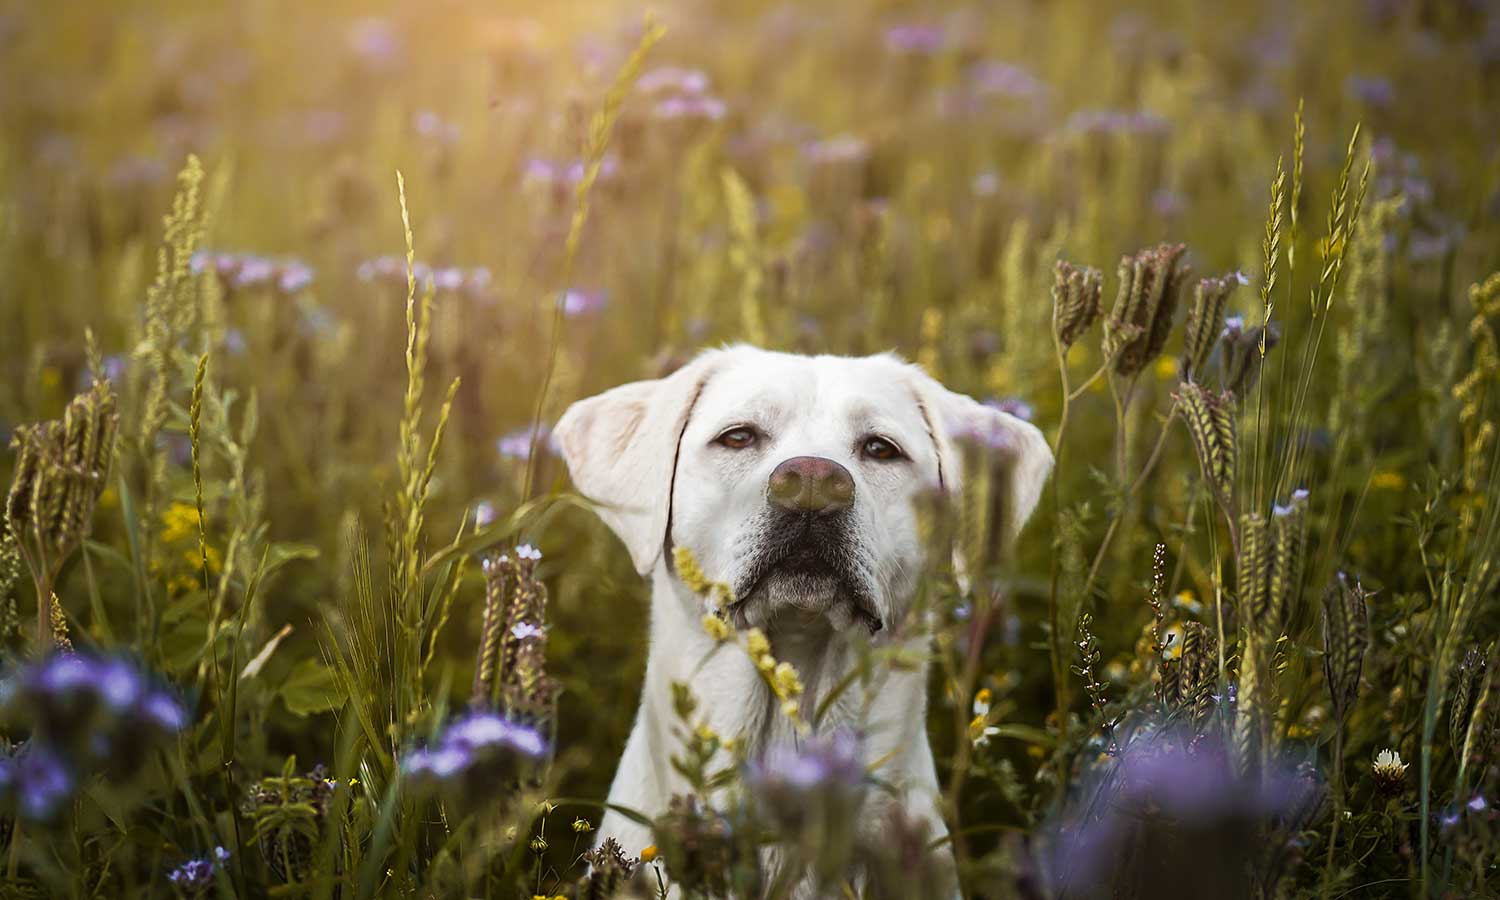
<point>881,449</point>
<point>736,438</point>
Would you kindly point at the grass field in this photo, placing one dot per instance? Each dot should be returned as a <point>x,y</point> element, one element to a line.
<point>1240,262</point>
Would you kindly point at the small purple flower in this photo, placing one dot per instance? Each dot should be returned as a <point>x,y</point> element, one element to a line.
<point>376,41</point>
<point>1166,203</point>
<point>528,552</point>
<point>916,39</point>
<point>294,277</point>
<point>525,631</point>
<point>41,781</point>
<point>517,444</point>
<point>448,279</point>
<point>672,80</point>
<point>1371,90</point>
<point>576,302</point>
<point>1111,121</point>
<point>709,109</point>
<point>985,184</point>
<point>484,514</point>
<point>992,78</point>
<point>475,749</point>
<point>1234,326</point>
<point>253,271</point>
<point>818,782</point>
<point>1477,804</point>
<point>842,149</point>
<point>430,125</point>
<point>196,876</point>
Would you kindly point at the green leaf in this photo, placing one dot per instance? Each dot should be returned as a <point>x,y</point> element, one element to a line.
<point>309,689</point>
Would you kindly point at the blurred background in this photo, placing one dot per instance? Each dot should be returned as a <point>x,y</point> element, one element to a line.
<point>913,170</point>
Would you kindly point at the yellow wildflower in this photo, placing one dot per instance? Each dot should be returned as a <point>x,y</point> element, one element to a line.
<point>648,854</point>
<point>689,570</point>
<point>756,643</point>
<point>785,681</point>
<point>717,628</point>
<point>179,522</point>
<point>582,826</point>
<point>1388,481</point>
<point>1166,367</point>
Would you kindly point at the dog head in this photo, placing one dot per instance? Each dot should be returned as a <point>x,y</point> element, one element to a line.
<point>791,478</point>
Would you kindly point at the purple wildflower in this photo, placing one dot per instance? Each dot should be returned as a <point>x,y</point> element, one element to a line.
<point>1111,121</point>
<point>196,876</point>
<point>805,787</point>
<point>37,780</point>
<point>992,78</point>
<point>709,109</point>
<point>842,149</point>
<point>294,277</point>
<point>430,125</point>
<point>577,302</point>
<point>916,39</point>
<point>517,444</point>
<point>672,80</point>
<point>525,631</point>
<point>474,754</point>
<point>484,514</point>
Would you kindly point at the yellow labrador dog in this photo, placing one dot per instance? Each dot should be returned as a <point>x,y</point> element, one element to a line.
<point>793,480</point>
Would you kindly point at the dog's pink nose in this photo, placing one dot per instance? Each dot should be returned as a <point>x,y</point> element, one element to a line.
<point>811,484</point>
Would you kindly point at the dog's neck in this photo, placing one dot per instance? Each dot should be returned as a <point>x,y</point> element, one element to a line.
<point>731,694</point>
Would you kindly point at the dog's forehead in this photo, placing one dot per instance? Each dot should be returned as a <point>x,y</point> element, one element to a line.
<point>783,384</point>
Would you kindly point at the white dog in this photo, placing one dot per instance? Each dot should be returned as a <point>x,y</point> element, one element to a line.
<point>792,480</point>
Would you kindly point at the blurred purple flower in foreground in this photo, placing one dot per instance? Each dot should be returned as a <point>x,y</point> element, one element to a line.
<point>86,714</point>
<point>1160,814</point>
<point>475,755</point>
<point>36,782</point>
<point>818,782</point>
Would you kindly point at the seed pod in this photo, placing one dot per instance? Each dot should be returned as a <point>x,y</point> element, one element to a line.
<point>1288,553</point>
<point>1076,295</point>
<point>1205,322</point>
<point>1250,705</point>
<point>1138,326</point>
<point>1198,673</point>
<point>1482,736</point>
<point>1210,423</point>
<point>1253,578</point>
<point>1242,353</point>
<point>1466,688</point>
<point>1346,634</point>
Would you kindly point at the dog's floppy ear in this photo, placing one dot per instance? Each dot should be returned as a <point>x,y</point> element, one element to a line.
<point>1017,445</point>
<point>621,449</point>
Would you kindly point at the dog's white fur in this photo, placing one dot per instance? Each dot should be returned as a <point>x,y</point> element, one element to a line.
<point>647,454</point>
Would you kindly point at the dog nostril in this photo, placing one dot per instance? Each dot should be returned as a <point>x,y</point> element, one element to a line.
<point>811,484</point>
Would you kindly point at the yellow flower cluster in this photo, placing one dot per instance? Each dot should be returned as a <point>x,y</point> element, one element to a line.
<point>780,677</point>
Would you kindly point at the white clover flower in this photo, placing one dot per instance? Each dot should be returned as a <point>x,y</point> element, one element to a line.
<point>1389,770</point>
